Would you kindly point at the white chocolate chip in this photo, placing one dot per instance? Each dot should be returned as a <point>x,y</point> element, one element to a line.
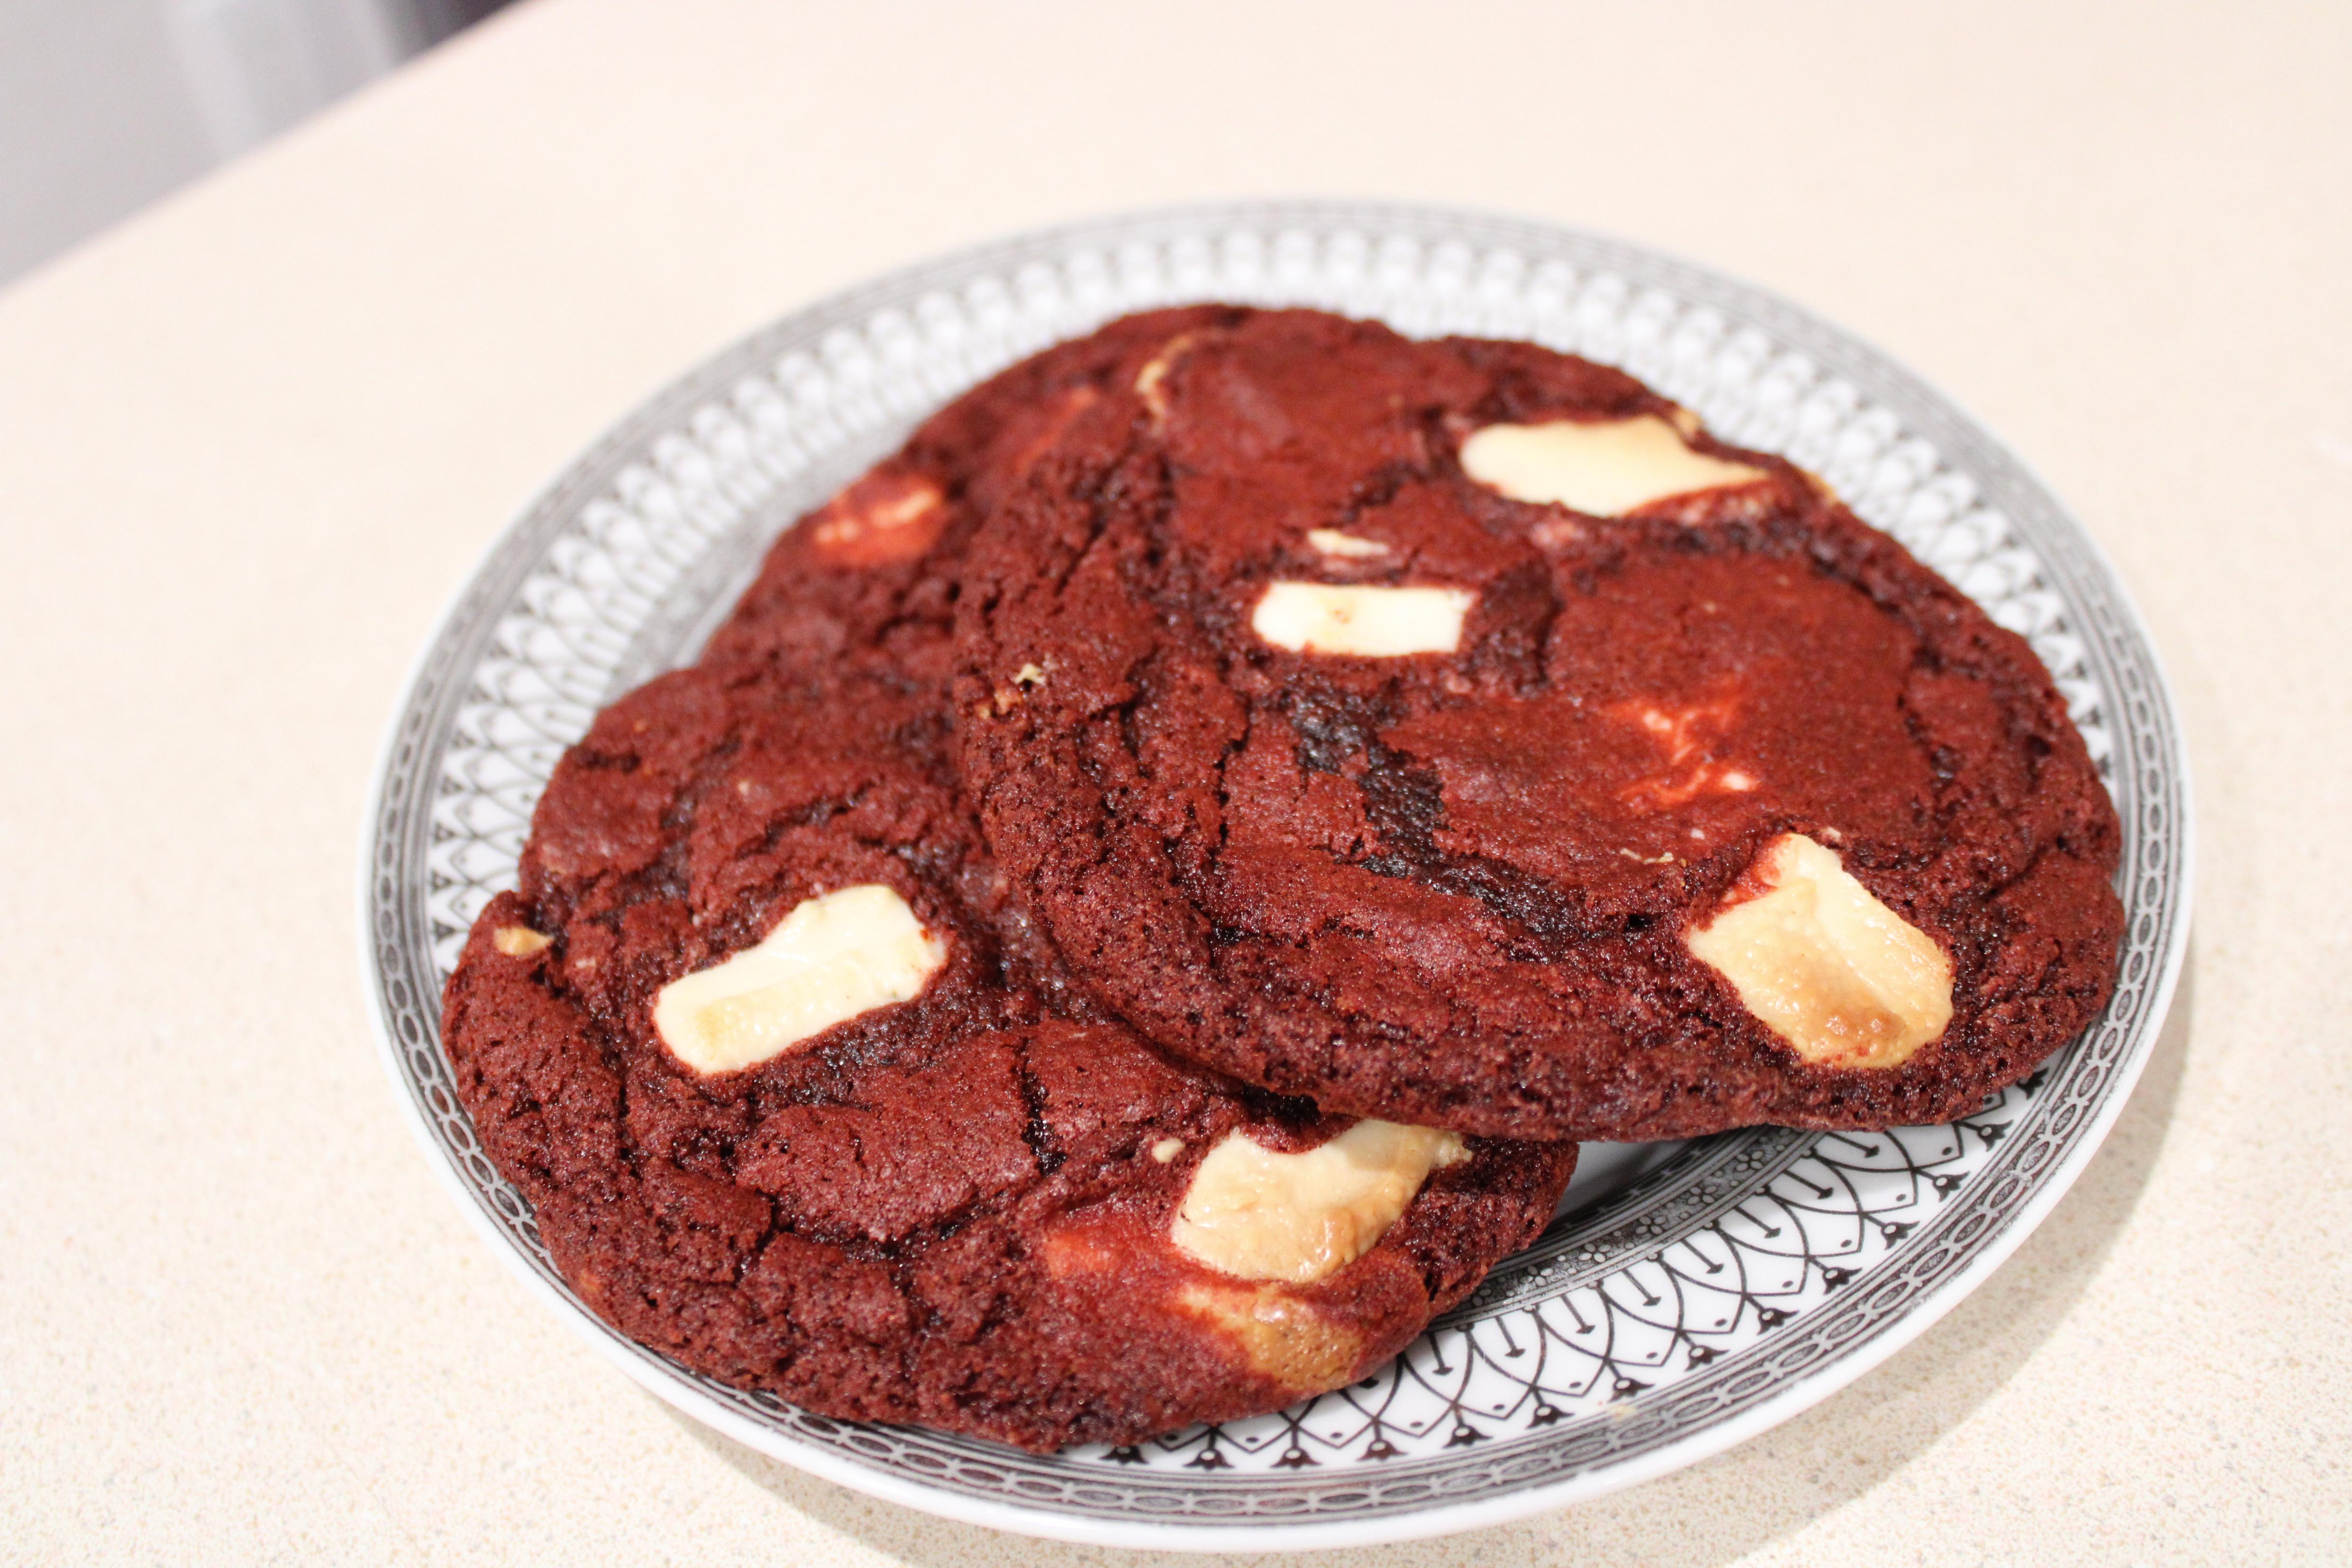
<point>1029,675</point>
<point>1281,1336</point>
<point>881,518</point>
<point>1167,1149</point>
<point>1691,767</point>
<point>833,958</point>
<point>519,942</point>
<point>1331,541</point>
<point>1368,622</point>
<point>1606,467</point>
<point>1150,381</point>
<point>1844,980</point>
<point>1259,1214</point>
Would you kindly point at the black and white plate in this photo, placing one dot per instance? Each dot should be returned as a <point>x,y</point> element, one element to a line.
<point>1690,1294</point>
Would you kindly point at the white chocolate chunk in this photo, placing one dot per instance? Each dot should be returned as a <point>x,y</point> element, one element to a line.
<point>886,516</point>
<point>1167,1149</point>
<point>1259,1214</point>
<point>1151,381</point>
<point>1692,770</point>
<point>1606,467</point>
<point>1844,980</point>
<point>1369,622</point>
<point>1278,1334</point>
<point>520,942</point>
<point>1331,541</point>
<point>833,958</point>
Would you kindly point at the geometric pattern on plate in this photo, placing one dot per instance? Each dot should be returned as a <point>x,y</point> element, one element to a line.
<point>1736,1281</point>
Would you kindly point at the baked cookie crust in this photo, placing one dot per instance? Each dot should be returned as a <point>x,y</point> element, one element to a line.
<point>1274,818</point>
<point>960,1208</point>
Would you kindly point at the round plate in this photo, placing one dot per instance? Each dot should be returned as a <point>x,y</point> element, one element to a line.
<point>1689,1296</point>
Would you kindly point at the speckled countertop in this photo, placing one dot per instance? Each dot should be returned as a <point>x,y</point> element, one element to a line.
<point>250,442</point>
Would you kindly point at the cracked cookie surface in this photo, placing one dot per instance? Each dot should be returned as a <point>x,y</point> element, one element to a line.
<point>1334,750</point>
<point>959,1208</point>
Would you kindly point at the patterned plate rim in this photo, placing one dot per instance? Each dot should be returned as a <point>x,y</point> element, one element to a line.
<point>2157,877</point>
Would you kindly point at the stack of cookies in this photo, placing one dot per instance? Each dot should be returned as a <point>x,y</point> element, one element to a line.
<point>1131,917</point>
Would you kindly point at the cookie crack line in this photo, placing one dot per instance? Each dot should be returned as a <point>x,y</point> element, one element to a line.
<point>1286,421</point>
<point>962,1250</point>
<point>1037,1130</point>
<point>1216,855</point>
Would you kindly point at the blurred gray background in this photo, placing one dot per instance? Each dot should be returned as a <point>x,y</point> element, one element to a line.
<point>107,104</point>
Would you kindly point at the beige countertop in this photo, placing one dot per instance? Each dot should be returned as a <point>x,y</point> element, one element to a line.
<point>250,443</point>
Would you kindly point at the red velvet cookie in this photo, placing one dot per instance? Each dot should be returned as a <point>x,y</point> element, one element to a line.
<point>799,1097</point>
<point>1455,732</point>
<point>868,580</point>
<point>752,1041</point>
